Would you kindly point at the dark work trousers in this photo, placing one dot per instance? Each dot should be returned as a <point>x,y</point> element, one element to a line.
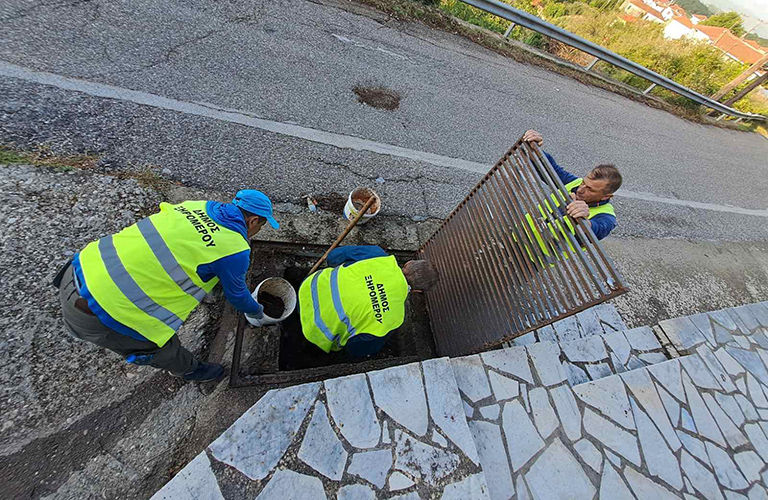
<point>86,326</point>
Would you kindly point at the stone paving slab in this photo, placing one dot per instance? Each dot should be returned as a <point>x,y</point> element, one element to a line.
<point>739,327</point>
<point>377,435</point>
<point>597,320</point>
<point>690,427</point>
<point>577,361</point>
<point>512,424</point>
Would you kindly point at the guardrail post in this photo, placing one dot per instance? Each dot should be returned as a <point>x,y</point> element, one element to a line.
<point>509,30</point>
<point>592,64</point>
<point>738,120</point>
<point>720,117</point>
<point>653,85</point>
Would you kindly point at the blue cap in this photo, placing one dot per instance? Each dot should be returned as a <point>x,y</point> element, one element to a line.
<point>257,203</point>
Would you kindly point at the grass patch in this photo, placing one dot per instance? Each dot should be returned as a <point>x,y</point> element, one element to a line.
<point>42,156</point>
<point>148,176</point>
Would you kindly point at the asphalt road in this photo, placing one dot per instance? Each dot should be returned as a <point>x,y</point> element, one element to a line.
<point>296,62</point>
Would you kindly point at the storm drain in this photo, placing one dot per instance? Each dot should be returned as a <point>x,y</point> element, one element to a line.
<point>511,260</point>
<point>280,355</point>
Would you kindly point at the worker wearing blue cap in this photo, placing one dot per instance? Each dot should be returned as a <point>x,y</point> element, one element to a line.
<point>130,292</point>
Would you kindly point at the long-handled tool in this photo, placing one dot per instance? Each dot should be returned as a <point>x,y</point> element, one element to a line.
<point>343,235</point>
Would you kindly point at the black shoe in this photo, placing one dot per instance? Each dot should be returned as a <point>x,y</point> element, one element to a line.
<point>206,372</point>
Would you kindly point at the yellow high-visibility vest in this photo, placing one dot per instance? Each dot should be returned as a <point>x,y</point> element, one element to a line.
<point>365,297</point>
<point>555,227</point>
<point>145,276</point>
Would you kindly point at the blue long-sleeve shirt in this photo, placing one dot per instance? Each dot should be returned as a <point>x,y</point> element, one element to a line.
<point>230,270</point>
<point>602,224</point>
<point>362,344</point>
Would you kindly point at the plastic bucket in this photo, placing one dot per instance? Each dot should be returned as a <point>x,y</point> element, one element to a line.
<point>359,196</point>
<point>279,288</point>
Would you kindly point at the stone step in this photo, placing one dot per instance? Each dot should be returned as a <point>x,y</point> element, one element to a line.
<point>690,427</point>
<point>384,434</point>
<point>577,361</point>
<point>602,318</point>
<point>599,356</point>
<point>741,326</point>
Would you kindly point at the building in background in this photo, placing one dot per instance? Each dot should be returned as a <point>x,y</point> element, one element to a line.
<point>697,18</point>
<point>681,27</point>
<point>642,10</point>
<point>744,51</point>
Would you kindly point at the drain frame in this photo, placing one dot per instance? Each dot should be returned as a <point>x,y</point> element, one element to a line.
<point>291,377</point>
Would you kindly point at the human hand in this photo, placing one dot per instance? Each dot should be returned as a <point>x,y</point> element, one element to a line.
<point>578,209</point>
<point>533,136</point>
<point>260,314</point>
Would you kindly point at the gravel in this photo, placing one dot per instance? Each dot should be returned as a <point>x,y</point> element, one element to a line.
<point>48,378</point>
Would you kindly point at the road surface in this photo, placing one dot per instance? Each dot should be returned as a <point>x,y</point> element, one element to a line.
<point>295,64</point>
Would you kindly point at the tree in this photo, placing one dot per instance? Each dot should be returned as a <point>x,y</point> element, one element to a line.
<point>694,7</point>
<point>731,20</point>
<point>763,42</point>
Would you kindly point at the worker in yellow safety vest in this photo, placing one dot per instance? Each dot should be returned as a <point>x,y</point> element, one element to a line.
<point>130,292</point>
<point>357,302</point>
<point>590,199</point>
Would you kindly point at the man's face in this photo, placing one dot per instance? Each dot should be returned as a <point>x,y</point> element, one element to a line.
<point>593,190</point>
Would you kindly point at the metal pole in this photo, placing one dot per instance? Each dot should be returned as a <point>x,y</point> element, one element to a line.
<point>509,30</point>
<point>592,64</point>
<point>653,85</point>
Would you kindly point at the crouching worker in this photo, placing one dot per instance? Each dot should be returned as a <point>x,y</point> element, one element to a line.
<point>358,301</point>
<point>131,291</point>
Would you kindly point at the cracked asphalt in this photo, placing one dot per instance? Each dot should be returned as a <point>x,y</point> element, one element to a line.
<point>296,62</point>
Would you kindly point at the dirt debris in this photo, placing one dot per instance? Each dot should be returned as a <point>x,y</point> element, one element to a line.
<point>332,202</point>
<point>274,307</point>
<point>378,97</point>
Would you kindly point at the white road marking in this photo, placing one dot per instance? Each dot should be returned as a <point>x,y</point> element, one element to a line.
<point>309,134</point>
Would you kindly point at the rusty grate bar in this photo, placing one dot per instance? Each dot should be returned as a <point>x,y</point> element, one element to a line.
<point>510,261</point>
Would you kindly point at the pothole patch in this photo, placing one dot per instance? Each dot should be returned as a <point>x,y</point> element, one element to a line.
<point>377,97</point>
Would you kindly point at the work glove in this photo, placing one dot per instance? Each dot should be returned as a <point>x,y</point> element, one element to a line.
<point>255,319</point>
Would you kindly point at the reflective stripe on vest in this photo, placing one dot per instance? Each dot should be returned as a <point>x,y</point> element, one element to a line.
<point>365,297</point>
<point>336,296</point>
<point>145,277</point>
<point>130,288</point>
<point>168,261</point>
<point>317,313</point>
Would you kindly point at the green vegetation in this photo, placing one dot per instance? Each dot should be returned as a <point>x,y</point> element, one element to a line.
<point>698,66</point>
<point>730,20</point>
<point>694,7</point>
<point>763,42</point>
<point>43,157</point>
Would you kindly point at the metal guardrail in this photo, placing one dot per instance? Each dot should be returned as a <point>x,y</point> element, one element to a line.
<point>509,252</point>
<point>534,23</point>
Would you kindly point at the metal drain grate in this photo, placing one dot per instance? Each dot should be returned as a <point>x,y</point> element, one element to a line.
<point>507,261</point>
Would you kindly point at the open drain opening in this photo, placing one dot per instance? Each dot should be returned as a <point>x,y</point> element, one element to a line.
<point>280,354</point>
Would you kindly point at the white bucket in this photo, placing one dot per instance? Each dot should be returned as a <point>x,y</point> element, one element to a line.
<point>361,195</point>
<point>279,288</point>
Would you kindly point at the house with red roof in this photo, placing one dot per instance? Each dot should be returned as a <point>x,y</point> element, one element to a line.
<point>642,10</point>
<point>681,27</point>
<point>697,18</point>
<point>734,47</point>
